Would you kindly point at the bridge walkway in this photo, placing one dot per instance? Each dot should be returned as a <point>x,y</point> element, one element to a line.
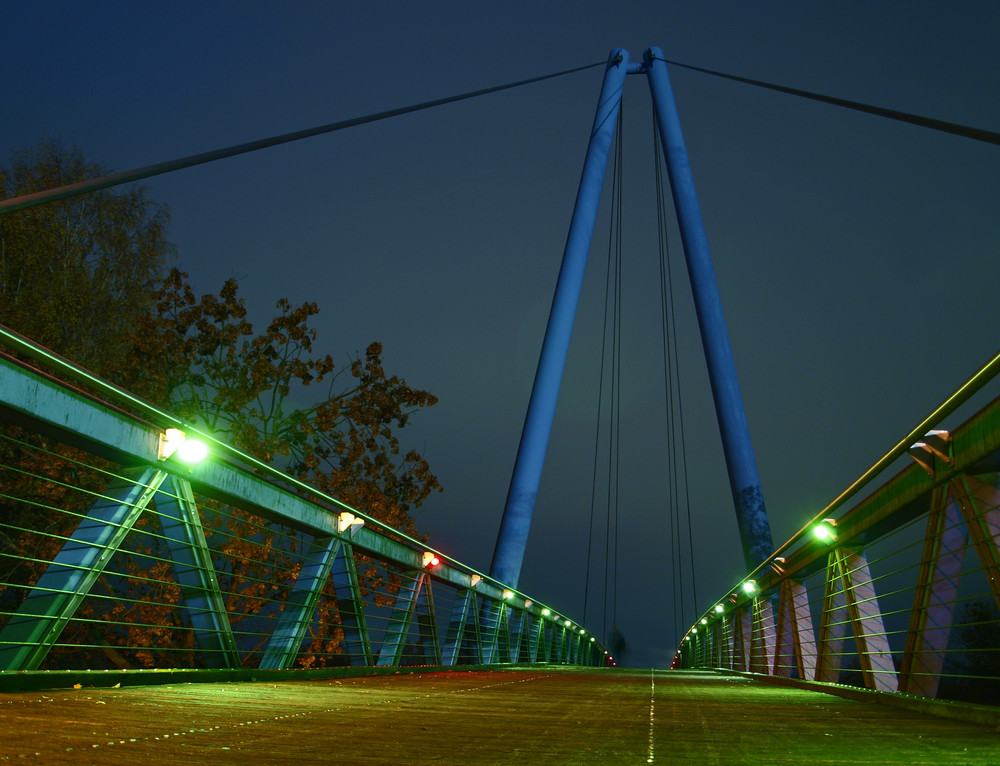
<point>547,715</point>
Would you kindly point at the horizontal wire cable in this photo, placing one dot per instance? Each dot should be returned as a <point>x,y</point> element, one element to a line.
<point>127,176</point>
<point>977,134</point>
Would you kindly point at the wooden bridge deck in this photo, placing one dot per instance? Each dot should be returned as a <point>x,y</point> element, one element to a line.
<point>539,715</point>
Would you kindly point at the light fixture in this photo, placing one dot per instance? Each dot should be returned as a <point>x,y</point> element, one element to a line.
<point>750,587</point>
<point>430,560</point>
<point>508,594</point>
<point>704,621</point>
<point>476,579</point>
<point>826,530</point>
<point>348,522</point>
<point>174,441</point>
<point>719,609</point>
<point>546,612</point>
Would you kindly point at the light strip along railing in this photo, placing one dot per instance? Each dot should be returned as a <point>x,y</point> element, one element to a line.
<point>898,593</point>
<point>115,555</point>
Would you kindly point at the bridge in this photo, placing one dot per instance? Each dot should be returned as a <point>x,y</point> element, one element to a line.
<point>554,715</point>
<point>130,568</point>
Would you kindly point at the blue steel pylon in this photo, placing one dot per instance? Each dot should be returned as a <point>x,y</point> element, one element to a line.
<point>751,514</point>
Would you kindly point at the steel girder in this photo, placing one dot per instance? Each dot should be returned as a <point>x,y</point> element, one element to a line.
<point>32,630</point>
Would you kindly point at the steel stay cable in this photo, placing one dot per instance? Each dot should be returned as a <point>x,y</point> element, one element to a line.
<point>127,176</point>
<point>616,391</point>
<point>943,126</point>
<point>600,385</point>
<point>671,364</point>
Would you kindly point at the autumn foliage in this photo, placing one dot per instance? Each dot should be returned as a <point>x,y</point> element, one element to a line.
<point>87,277</point>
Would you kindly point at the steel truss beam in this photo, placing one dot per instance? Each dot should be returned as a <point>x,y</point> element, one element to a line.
<point>417,589</point>
<point>205,606</point>
<point>796,642</point>
<point>31,631</point>
<point>44,405</point>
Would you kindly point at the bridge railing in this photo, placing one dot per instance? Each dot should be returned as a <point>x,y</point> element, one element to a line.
<point>117,554</point>
<point>898,593</point>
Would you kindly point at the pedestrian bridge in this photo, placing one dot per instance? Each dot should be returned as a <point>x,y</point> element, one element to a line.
<point>536,714</point>
<point>127,571</point>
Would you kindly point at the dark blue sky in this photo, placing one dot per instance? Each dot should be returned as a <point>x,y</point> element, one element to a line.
<point>856,257</point>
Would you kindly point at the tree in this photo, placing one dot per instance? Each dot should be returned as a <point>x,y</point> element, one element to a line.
<point>83,276</point>
<point>76,274</point>
<point>206,365</point>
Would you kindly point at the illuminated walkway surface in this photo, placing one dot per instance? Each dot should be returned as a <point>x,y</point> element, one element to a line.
<point>548,716</point>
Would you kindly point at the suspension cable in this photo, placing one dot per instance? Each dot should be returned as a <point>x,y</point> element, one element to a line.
<point>943,126</point>
<point>617,394</point>
<point>613,407</point>
<point>126,176</point>
<point>615,183</point>
<point>676,441</point>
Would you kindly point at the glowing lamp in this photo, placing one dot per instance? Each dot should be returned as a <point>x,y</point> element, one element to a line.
<point>826,530</point>
<point>704,621</point>
<point>719,609</point>
<point>508,594</point>
<point>174,441</point>
<point>430,560</point>
<point>546,612</point>
<point>476,579</point>
<point>750,587</point>
<point>348,522</point>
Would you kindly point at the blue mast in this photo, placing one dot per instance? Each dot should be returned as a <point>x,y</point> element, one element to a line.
<point>513,536</point>
<point>744,481</point>
<point>741,464</point>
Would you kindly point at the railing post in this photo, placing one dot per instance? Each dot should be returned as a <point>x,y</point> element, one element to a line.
<point>762,640</point>
<point>195,573</point>
<point>796,642</point>
<point>870,638</point>
<point>934,597</point>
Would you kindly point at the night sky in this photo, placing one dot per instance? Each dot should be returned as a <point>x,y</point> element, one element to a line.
<point>856,257</point>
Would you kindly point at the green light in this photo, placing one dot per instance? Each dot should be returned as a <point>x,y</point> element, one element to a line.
<point>825,531</point>
<point>546,612</point>
<point>704,621</point>
<point>192,451</point>
<point>719,609</point>
<point>749,587</point>
<point>508,594</point>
